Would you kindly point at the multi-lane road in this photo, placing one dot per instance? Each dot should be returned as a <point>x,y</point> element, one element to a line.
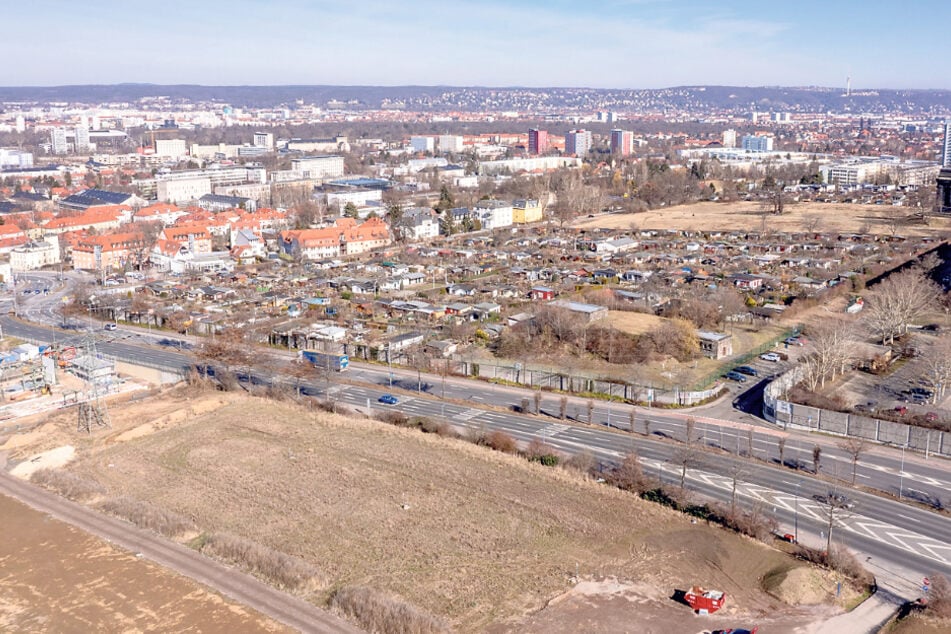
<point>903,542</point>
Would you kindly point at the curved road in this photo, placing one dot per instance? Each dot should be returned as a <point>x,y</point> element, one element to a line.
<point>243,588</point>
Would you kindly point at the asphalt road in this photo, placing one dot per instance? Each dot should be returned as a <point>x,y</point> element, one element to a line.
<point>228,581</point>
<point>903,542</point>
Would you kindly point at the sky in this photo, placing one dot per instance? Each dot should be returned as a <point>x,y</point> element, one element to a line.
<point>583,43</point>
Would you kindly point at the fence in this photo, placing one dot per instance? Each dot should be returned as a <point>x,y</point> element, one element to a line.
<point>745,358</point>
<point>781,412</point>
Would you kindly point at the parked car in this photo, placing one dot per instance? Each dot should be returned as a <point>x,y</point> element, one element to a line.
<point>769,356</point>
<point>388,399</point>
<point>793,341</point>
<point>745,369</point>
<point>922,391</point>
<point>110,326</point>
<point>735,376</point>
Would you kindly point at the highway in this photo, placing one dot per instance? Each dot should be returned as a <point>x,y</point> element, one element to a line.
<point>903,542</point>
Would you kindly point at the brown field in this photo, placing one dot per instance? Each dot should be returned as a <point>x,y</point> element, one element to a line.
<point>634,323</point>
<point>56,578</point>
<point>480,538</point>
<point>919,624</point>
<point>819,217</point>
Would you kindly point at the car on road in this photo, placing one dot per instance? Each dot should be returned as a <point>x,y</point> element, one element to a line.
<point>921,391</point>
<point>793,341</point>
<point>110,326</point>
<point>835,500</point>
<point>388,399</point>
<point>735,376</point>
<point>769,356</point>
<point>745,369</point>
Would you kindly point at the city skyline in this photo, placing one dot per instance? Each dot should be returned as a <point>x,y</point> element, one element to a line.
<point>608,44</point>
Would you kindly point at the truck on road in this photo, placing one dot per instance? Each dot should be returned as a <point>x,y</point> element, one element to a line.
<point>325,360</point>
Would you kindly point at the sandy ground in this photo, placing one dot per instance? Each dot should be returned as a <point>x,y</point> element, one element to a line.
<point>746,216</point>
<point>54,578</point>
<point>475,536</point>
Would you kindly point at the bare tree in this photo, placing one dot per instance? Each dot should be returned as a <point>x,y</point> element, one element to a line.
<point>936,366</point>
<point>834,350</point>
<point>686,457</point>
<point>632,419</point>
<point>816,458</point>
<point>781,445</point>
<point>736,474</point>
<point>590,406</point>
<point>905,296</point>
<point>855,447</point>
<point>537,396</point>
<point>562,407</point>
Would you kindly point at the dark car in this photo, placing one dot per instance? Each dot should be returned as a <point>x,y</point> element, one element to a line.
<point>745,369</point>
<point>921,391</point>
<point>735,376</point>
<point>388,399</point>
<point>836,500</point>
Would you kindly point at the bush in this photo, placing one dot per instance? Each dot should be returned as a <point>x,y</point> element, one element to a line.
<point>539,451</point>
<point>393,418</point>
<point>276,567</point>
<point>840,559</point>
<point>583,461</point>
<point>378,613</point>
<point>939,599</point>
<point>752,523</point>
<point>67,484</point>
<point>148,516</point>
<point>501,441</point>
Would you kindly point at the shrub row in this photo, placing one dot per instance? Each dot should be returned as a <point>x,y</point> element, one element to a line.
<point>378,613</point>
<point>67,484</point>
<point>286,571</point>
<point>148,516</point>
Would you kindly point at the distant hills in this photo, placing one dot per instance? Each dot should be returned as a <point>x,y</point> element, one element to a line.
<point>541,100</point>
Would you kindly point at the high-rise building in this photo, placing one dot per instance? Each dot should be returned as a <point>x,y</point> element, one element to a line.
<point>729,138</point>
<point>58,141</point>
<point>81,144</point>
<point>20,123</point>
<point>422,143</point>
<point>578,143</point>
<point>537,141</point>
<point>756,143</point>
<point>263,139</point>
<point>450,143</point>
<point>946,151</point>
<point>622,142</point>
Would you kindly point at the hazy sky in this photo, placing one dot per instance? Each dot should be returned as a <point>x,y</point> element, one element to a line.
<point>594,43</point>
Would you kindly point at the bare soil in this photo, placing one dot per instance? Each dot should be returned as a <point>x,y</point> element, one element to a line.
<point>920,624</point>
<point>55,578</point>
<point>747,216</point>
<point>481,538</point>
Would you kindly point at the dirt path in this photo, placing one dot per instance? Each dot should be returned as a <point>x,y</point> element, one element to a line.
<point>238,586</point>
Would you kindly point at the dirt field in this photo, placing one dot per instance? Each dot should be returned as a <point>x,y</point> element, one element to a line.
<point>919,625</point>
<point>54,578</point>
<point>819,217</point>
<point>634,323</point>
<point>478,537</point>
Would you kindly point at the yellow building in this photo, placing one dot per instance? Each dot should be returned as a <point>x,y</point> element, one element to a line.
<point>525,211</point>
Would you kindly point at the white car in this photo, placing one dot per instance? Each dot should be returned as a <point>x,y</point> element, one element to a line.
<point>769,356</point>
<point>110,326</point>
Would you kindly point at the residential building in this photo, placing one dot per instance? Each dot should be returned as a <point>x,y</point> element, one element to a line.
<point>263,139</point>
<point>81,143</point>
<point>757,143</point>
<point>538,141</point>
<point>419,223</point>
<point>422,143</point>
<point>35,255</point>
<point>345,237</point>
<point>182,190</point>
<point>318,167</point>
<point>197,237</point>
<point>525,211</point>
<point>165,213</point>
<point>172,148</point>
<point>219,202</point>
<point>494,214</point>
<point>58,141</point>
<point>109,251</point>
<point>622,142</point>
<point>578,143</point>
<point>15,158</point>
<point>590,312</point>
<point>533,164</point>
<point>729,138</point>
<point>88,198</point>
<point>450,143</point>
